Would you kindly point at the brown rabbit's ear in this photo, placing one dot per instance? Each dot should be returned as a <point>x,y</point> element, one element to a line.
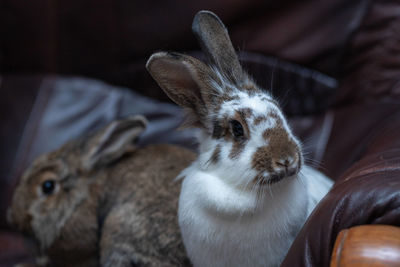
<point>112,142</point>
<point>186,80</point>
<point>215,41</point>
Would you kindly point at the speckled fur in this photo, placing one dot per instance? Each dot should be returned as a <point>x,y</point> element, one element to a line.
<point>119,213</point>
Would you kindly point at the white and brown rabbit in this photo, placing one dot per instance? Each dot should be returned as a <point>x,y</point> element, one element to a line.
<point>247,195</point>
<point>99,201</point>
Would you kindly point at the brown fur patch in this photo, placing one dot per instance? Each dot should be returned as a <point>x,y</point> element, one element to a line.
<point>259,119</point>
<point>245,113</point>
<point>221,128</point>
<point>275,116</point>
<point>261,160</point>
<point>267,133</point>
<point>215,157</point>
<point>279,146</point>
<point>218,130</point>
<point>237,148</point>
<point>226,97</point>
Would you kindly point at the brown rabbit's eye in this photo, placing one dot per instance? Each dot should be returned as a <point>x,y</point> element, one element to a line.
<point>237,128</point>
<point>48,187</point>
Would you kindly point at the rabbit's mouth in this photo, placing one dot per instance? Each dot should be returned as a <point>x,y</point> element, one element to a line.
<point>275,177</point>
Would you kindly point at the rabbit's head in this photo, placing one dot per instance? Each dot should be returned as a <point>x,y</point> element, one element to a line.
<point>56,183</point>
<point>245,136</point>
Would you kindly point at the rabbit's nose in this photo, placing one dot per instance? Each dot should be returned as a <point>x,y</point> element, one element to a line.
<point>289,165</point>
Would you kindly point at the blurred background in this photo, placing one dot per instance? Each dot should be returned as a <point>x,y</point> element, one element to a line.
<point>68,67</point>
<point>111,40</point>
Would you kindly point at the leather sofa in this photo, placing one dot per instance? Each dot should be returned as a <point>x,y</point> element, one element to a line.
<point>68,67</point>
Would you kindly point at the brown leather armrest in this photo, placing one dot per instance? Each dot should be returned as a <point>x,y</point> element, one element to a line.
<point>367,245</point>
<point>370,197</point>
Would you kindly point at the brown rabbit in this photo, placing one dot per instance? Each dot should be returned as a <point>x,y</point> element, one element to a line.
<point>101,201</point>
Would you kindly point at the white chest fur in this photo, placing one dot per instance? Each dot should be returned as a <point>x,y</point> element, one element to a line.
<point>224,226</point>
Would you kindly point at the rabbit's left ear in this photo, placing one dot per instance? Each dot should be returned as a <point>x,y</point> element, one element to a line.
<point>116,139</point>
<point>187,81</point>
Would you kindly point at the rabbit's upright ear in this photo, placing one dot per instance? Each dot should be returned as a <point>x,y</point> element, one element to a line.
<point>187,81</point>
<point>113,141</point>
<point>215,42</point>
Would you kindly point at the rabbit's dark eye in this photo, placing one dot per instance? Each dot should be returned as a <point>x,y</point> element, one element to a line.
<point>48,187</point>
<point>237,128</point>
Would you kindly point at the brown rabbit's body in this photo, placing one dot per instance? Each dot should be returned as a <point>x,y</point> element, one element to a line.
<point>118,210</point>
<point>152,200</point>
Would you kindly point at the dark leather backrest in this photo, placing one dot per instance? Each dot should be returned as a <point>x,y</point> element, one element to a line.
<point>111,40</point>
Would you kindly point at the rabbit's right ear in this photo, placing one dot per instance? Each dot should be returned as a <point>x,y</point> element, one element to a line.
<point>214,40</point>
<point>187,81</point>
<point>112,142</point>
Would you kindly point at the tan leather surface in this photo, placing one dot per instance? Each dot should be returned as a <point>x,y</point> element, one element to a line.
<point>367,245</point>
